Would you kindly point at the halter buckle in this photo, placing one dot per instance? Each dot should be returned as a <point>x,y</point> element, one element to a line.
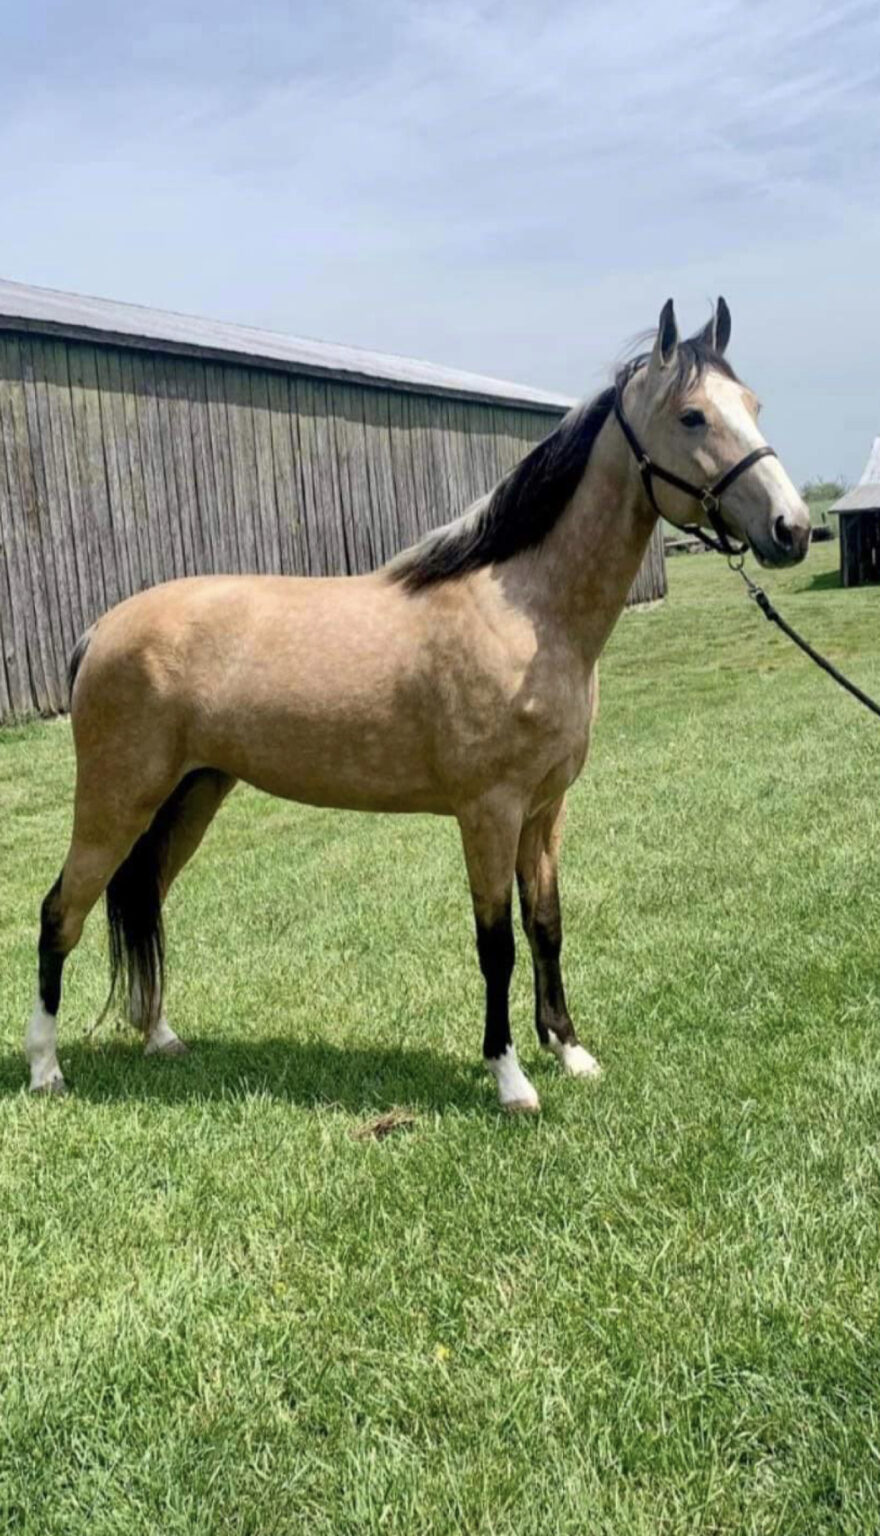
<point>709,501</point>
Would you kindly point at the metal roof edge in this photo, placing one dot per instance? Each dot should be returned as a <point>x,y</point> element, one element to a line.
<point>111,323</point>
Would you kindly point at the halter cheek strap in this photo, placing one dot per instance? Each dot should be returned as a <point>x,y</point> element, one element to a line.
<point>709,496</point>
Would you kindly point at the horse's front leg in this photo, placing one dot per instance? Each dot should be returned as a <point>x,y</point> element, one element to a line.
<point>490,833</point>
<point>536,873</point>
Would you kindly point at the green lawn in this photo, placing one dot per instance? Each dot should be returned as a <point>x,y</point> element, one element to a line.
<point>651,1310</point>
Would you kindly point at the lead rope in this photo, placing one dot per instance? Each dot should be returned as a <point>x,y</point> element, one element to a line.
<point>759,596</point>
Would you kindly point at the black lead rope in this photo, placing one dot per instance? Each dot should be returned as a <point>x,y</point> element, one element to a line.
<point>760,597</point>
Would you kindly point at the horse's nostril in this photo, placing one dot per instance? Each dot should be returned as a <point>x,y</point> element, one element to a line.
<point>783,533</point>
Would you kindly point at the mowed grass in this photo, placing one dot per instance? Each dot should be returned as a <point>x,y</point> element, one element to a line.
<point>652,1310</point>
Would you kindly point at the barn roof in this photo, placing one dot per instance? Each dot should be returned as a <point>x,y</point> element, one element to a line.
<point>864,497</point>
<point>45,310</point>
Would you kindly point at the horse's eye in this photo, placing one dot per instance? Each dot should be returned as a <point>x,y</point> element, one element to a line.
<point>692,419</point>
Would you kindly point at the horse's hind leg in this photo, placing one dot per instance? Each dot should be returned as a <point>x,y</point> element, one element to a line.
<point>536,872</point>
<point>187,816</point>
<point>134,854</point>
<point>89,866</point>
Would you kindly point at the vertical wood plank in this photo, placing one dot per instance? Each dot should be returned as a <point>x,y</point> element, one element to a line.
<point>326,546</point>
<point>380,470</point>
<point>359,514</point>
<point>418,422</point>
<point>221,455</point>
<point>327,400</point>
<point>163,389</point>
<point>92,476</point>
<point>302,390</point>
<point>12,619</point>
<point>67,472</point>
<point>242,461</point>
<point>205,488</point>
<point>25,531</point>
<point>402,466</point>
<point>45,383</point>
<point>7,707</point>
<point>457,469</point>
<point>164,545</point>
<point>37,468</point>
<point>288,480</point>
<point>177,407</point>
<point>144,554</point>
<point>112,409</point>
<point>264,465</point>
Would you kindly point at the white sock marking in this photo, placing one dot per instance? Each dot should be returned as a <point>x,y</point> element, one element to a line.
<point>576,1062</point>
<point>514,1089</point>
<point>40,1049</point>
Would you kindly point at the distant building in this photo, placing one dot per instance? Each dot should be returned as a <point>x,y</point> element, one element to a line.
<point>859,514</point>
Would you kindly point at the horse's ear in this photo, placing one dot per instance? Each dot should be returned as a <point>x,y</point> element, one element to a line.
<point>722,326</point>
<point>716,333</point>
<point>667,337</point>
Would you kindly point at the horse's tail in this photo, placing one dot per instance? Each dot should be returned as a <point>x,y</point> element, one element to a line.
<point>134,912</point>
<point>76,658</point>
<point>135,931</point>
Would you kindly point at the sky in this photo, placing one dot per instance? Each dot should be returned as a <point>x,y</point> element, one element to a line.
<point>510,188</point>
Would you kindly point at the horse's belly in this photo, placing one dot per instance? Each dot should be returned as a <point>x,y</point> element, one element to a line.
<point>339,757</point>
<point>343,791</point>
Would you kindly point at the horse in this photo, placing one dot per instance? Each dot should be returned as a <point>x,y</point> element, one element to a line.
<point>458,679</point>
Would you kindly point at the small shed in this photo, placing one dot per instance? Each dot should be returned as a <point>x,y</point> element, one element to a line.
<point>859,514</point>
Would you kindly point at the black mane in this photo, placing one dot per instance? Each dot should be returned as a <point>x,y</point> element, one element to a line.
<point>524,506</point>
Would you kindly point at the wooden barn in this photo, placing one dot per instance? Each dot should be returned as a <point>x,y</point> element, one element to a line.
<point>859,514</point>
<point>137,446</point>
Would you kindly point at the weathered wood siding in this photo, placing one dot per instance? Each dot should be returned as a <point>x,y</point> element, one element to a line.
<point>122,467</point>
<point>859,548</point>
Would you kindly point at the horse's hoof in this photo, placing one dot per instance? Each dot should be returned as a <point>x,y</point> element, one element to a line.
<point>162,1041</point>
<point>55,1088</point>
<point>171,1048</point>
<point>575,1060</point>
<point>579,1063</point>
<point>523,1106</point>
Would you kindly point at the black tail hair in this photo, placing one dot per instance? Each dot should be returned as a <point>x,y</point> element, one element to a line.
<point>135,930</point>
<point>76,656</point>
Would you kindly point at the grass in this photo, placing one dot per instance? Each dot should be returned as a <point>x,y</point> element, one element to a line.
<point>654,1310</point>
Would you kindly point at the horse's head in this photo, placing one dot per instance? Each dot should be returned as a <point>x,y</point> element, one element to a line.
<point>698,424</point>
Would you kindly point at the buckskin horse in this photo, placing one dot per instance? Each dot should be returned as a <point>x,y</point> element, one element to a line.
<point>459,679</point>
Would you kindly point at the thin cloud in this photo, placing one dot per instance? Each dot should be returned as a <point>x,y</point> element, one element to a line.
<point>507,190</point>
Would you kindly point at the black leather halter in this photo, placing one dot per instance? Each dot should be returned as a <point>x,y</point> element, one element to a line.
<point>709,496</point>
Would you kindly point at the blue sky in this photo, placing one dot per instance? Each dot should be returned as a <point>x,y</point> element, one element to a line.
<point>513,189</point>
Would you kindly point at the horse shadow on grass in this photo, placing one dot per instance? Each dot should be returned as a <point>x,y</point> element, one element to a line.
<point>310,1074</point>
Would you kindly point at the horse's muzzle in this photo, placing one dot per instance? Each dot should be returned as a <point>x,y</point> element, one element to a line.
<point>788,543</point>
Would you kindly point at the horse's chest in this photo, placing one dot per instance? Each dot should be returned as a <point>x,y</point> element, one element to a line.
<point>526,724</point>
<point>543,740</point>
<point>554,719</point>
<point>552,746</point>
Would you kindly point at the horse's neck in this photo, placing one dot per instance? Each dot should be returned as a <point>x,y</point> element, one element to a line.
<point>583,571</point>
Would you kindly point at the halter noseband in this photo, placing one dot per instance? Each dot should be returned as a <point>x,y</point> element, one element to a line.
<point>709,496</point>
